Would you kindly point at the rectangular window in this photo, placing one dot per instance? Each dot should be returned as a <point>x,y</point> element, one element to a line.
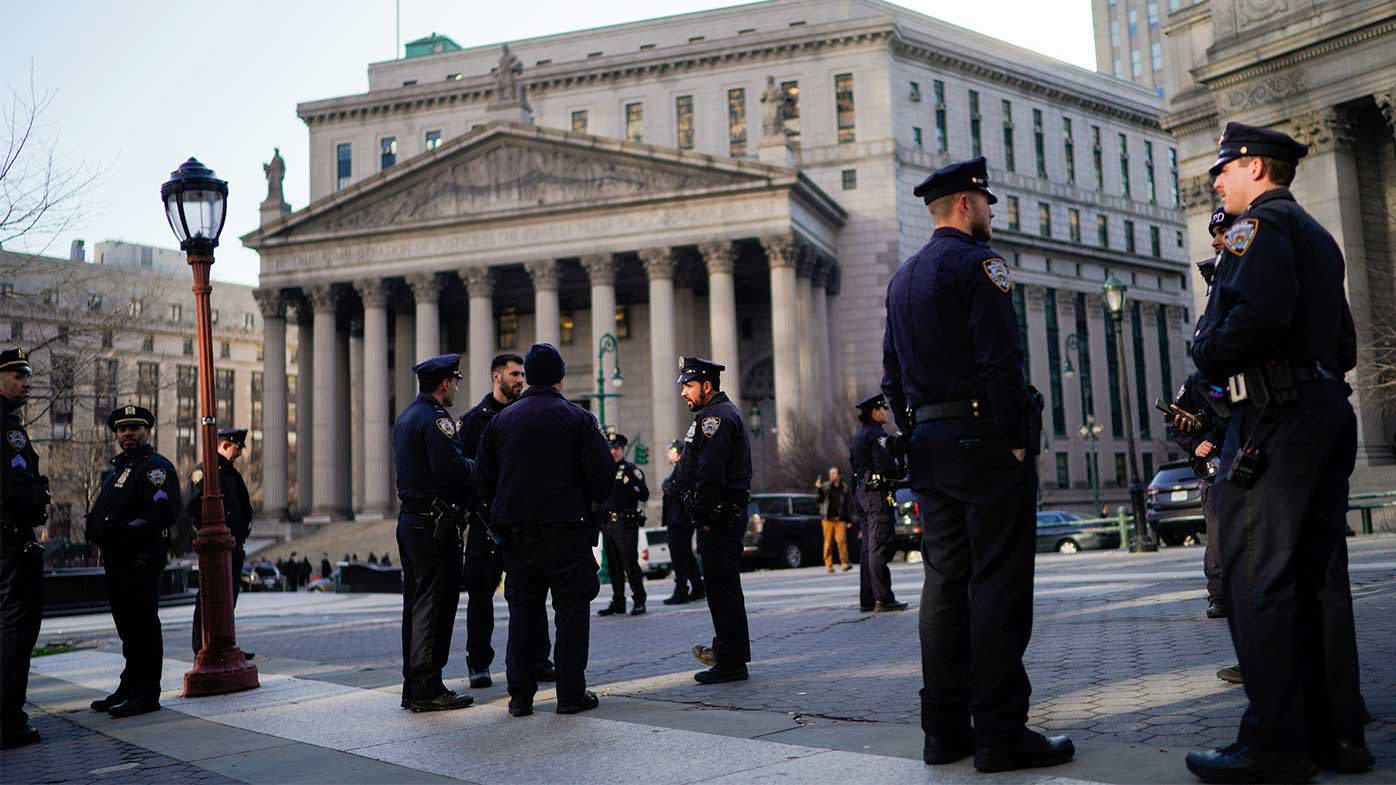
<point>683,121</point>
<point>254,467</point>
<point>579,121</point>
<point>186,413</point>
<point>975,140</point>
<point>223,392</point>
<point>1112,373</point>
<point>1173,195</point>
<point>915,92</point>
<point>916,136</point>
<point>176,312</point>
<point>634,123</point>
<point>1165,363</point>
<point>64,379</point>
<point>1020,309</point>
<point>1054,364</point>
<point>1129,236</point>
<point>792,120</point>
<point>1013,215</point>
<point>433,140</point>
<point>1149,171</point>
<point>1124,164</point>
<point>343,165</point>
<point>16,330</point>
<point>1156,56</point>
<point>1141,375</point>
<point>1069,147</point>
<point>1044,219</point>
<point>106,339</point>
<point>843,107</point>
<point>387,152</point>
<point>1148,467</point>
<point>736,122</point>
<point>148,390</point>
<point>148,343</point>
<point>1133,22</point>
<point>249,321</point>
<point>104,388</point>
<point>1039,142</point>
<point>850,179</point>
<point>188,347</point>
<point>225,350</point>
<point>1073,224</point>
<point>1155,247</point>
<point>1083,357</point>
<point>942,138</point>
<point>1102,231</point>
<point>1063,470</point>
<point>506,328</point>
<point>1136,63</point>
<point>1121,473</point>
<point>1008,157</point>
<point>1096,159</point>
<point>1152,9</point>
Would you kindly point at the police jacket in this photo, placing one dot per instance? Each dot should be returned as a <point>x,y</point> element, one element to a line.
<point>952,335</point>
<point>472,426</point>
<point>543,460</point>
<point>672,511</point>
<point>429,461</point>
<point>237,505</point>
<point>868,453</point>
<point>137,504</point>
<point>1278,293</point>
<point>628,491</point>
<point>23,491</point>
<point>716,461</point>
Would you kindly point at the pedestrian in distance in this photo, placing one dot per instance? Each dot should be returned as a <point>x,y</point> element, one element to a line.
<point>832,496</point>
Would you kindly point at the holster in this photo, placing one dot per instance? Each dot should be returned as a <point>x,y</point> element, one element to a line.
<point>449,521</point>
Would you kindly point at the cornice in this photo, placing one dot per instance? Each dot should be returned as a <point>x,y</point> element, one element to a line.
<point>1225,73</point>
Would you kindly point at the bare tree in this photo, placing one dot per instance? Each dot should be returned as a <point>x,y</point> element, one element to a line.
<point>818,440</point>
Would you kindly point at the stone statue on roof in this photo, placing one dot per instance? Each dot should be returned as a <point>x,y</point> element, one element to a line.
<point>507,87</point>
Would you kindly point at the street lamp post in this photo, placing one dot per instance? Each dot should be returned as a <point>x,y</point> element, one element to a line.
<point>1091,430</point>
<point>1091,433</point>
<point>608,343</point>
<point>753,417</point>
<point>196,207</point>
<point>1115,301</point>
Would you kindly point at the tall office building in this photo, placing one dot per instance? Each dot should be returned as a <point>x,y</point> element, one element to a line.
<point>1129,39</point>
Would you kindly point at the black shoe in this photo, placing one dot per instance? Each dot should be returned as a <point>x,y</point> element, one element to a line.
<point>677,599</point>
<point>480,680</point>
<point>704,655</point>
<point>446,701</point>
<point>1216,610</point>
<point>611,610</point>
<point>249,656</point>
<point>1346,756</point>
<point>638,610</point>
<point>104,705</point>
<point>405,703</point>
<point>1241,764</point>
<point>1031,751</point>
<point>10,738</point>
<point>1231,674</point>
<point>133,706</point>
<point>698,594</point>
<point>939,750</point>
<point>884,607</point>
<point>589,702</point>
<point>547,671</point>
<point>720,674</point>
<point>520,707</point>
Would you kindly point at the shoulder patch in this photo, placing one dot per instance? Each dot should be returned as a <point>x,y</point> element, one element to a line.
<point>639,474</point>
<point>997,270</point>
<point>17,439</point>
<point>710,425</point>
<point>156,476</point>
<point>447,426</point>
<point>1241,236</point>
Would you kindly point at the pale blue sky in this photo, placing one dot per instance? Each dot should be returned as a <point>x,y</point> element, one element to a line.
<point>142,85</point>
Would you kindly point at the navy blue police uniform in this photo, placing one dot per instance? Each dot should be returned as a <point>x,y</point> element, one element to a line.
<point>953,376</point>
<point>875,473</point>
<point>432,473</point>
<point>138,503</point>
<point>621,520</point>
<point>484,564</point>
<point>543,470</point>
<point>24,500</point>
<point>1281,339</point>
<point>688,573</point>
<point>237,514</point>
<point>713,478</point>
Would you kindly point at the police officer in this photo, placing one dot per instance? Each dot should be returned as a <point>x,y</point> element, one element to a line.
<point>131,519</point>
<point>237,513</point>
<point>953,363</point>
<point>713,478</point>
<point>431,474</point>
<point>688,573</point>
<point>484,564</point>
<point>544,471</point>
<point>875,473</point>
<point>621,520</point>
<point>24,500</point>
<point>1280,341</point>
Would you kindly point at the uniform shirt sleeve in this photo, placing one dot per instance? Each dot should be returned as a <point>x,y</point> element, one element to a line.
<point>892,373</point>
<point>881,459</point>
<point>486,474</point>
<point>598,467</point>
<point>997,352</point>
<point>638,489</point>
<point>444,455</point>
<point>194,505</point>
<point>1258,288</point>
<point>23,495</point>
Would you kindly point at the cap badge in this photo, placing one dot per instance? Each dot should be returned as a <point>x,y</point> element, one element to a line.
<point>130,410</point>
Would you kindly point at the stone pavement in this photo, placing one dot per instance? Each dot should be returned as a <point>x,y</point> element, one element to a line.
<point>1121,658</point>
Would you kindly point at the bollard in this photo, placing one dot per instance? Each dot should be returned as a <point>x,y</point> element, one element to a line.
<point>1124,530</point>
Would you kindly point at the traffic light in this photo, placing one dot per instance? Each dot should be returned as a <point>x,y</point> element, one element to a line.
<point>642,454</point>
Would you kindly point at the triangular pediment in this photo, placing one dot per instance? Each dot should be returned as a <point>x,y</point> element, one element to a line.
<point>507,170</point>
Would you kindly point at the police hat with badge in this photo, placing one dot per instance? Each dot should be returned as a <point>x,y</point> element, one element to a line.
<point>1241,141</point>
<point>868,405</point>
<point>130,414</point>
<point>699,370</point>
<point>15,360</point>
<point>237,436</point>
<point>971,175</point>
<point>442,366</point>
<point>615,439</point>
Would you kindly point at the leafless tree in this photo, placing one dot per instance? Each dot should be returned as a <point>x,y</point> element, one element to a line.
<point>819,440</point>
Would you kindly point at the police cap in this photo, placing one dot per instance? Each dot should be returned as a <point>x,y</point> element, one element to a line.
<point>871,402</point>
<point>1240,140</point>
<point>616,439</point>
<point>971,175</point>
<point>15,360</point>
<point>677,446</point>
<point>698,369</point>
<point>441,366</point>
<point>237,436</point>
<point>1220,221</point>
<point>130,414</point>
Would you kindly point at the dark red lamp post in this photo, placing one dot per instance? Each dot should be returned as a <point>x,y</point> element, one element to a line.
<point>196,206</point>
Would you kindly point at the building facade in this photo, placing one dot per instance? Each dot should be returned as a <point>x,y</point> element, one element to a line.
<point>1130,42</point>
<point>1325,74</point>
<point>733,183</point>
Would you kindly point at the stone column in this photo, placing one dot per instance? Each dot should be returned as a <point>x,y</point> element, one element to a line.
<point>839,383</point>
<point>780,254</point>
<point>547,315</point>
<point>804,314</point>
<point>328,468</point>
<point>374,381</point>
<point>720,259</point>
<point>601,269</point>
<point>356,414</point>
<point>426,292</point>
<point>659,266</point>
<point>305,407</point>
<point>404,357</point>
<point>479,281</point>
<point>272,304</point>
<point>819,317</point>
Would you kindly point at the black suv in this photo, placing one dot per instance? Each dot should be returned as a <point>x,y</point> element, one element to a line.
<point>785,530</point>
<point>907,521</point>
<point>1173,507</point>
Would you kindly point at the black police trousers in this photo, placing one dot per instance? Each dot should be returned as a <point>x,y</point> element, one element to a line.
<point>539,559</point>
<point>878,543</point>
<point>688,573</point>
<point>978,543</point>
<point>430,597</point>
<point>237,557</point>
<point>133,588</point>
<point>1211,552</point>
<point>721,549</point>
<point>21,612</point>
<point>484,568</point>
<point>1285,561</point>
<point>620,541</point>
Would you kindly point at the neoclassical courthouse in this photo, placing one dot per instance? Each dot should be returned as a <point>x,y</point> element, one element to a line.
<point>734,184</point>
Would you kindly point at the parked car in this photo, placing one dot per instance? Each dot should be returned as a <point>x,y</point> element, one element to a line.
<point>1062,532</point>
<point>262,576</point>
<point>908,522</point>
<point>1173,505</point>
<point>655,561</point>
<point>785,530</point>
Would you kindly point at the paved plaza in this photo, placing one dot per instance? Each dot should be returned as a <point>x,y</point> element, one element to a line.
<point>1122,659</point>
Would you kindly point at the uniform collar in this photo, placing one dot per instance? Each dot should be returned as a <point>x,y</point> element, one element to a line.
<point>950,231</point>
<point>9,406</point>
<point>131,455</point>
<point>1277,193</point>
<point>720,397</point>
<point>547,390</point>
<point>223,461</point>
<point>491,404</point>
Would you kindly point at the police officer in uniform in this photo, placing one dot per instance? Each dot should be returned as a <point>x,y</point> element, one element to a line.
<point>688,573</point>
<point>237,513</point>
<point>24,500</point>
<point>621,520</point>
<point>875,472</point>
<point>953,363</point>
<point>484,564</point>
<point>543,470</point>
<point>1280,341</point>
<point>431,474</point>
<point>713,478</point>
<point>137,505</point>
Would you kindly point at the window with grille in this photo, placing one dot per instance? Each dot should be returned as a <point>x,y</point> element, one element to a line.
<point>736,122</point>
<point>843,107</point>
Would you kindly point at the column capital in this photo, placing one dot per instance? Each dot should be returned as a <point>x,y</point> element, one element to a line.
<point>601,269</point>
<point>1094,303</point>
<point>719,257</point>
<point>805,259</point>
<point>659,262</point>
<point>781,250</point>
<point>1386,102</point>
<point>1324,130</point>
<point>479,281</point>
<point>374,291</point>
<point>300,305</point>
<point>1036,298</point>
<point>545,274</point>
<point>424,286</point>
<point>819,276</point>
<point>324,297</point>
<point>271,302</point>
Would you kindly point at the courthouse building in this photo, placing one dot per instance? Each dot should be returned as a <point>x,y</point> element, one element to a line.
<point>734,184</point>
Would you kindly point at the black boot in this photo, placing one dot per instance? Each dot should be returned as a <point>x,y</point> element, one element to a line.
<point>446,701</point>
<point>1031,751</point>
<point>721,674</point>
<point>947,748</point>
<point>589,701</point>
<point>547,671</point>
<point>613,609</point>
<point>679,598</point>
<point>1241,764</point>
<point>104,705</point>
<point>20,736</point>
<point>1216,609</point>
<point>1345,756</point>
<point>133,706</point>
